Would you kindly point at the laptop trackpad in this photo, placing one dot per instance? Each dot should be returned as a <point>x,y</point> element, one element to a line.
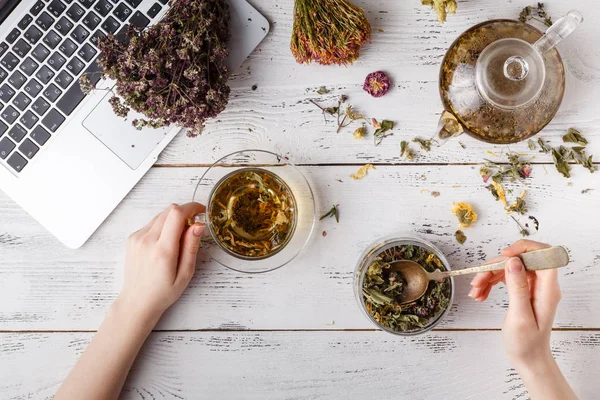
<point>132,146</point>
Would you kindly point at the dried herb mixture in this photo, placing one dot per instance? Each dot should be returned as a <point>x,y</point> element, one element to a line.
<point>382,286</point>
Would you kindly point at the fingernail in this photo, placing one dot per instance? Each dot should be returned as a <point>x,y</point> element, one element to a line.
<point>472,282</point>
<point>472,292</point>
<point>198,229</point>
<point>515,265</point>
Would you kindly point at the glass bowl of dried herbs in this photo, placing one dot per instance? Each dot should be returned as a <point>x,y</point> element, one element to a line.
<point>260,211</point>
<point>377,286</point>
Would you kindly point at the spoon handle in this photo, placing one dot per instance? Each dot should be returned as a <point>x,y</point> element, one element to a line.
<point>553,257</point>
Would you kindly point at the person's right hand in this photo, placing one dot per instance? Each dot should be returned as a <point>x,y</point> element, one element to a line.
<point>533,299</point>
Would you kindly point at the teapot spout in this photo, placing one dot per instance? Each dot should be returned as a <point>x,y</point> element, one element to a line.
<point>448,127</point>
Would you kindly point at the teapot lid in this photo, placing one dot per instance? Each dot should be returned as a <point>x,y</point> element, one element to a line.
<point>510,73</point>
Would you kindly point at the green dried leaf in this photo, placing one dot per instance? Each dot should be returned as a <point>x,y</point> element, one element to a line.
<point>543,146</point>
<point>531,144</point>
<point>323,90</point>
<point>332,213</point>
<point>406,151</point>
<point>561,165</point>
<point>573,136</point>
<point>382,130</point>
<point>460,236</point>
<point>425,144</point>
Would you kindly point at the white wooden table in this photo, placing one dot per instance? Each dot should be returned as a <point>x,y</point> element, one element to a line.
<point>297,333</point>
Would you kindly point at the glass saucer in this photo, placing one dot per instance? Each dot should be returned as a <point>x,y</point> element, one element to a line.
<point>305,218</point>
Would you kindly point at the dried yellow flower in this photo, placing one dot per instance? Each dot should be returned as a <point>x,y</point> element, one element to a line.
<point>362,171</point>
<point>465,213</point>
<point>360,132</point>
<point>441,7</point>
<point>498,192</point>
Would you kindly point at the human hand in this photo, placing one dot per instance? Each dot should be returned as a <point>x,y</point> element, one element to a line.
<point>533,299</point>
<point>160,262</point>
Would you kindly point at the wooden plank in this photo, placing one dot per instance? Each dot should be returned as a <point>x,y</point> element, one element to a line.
<point>301,365</point>
<point>278,116</point>
<point>44,286</point>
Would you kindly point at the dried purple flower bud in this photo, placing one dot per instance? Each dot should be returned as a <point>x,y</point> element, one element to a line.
<point>377,84</point>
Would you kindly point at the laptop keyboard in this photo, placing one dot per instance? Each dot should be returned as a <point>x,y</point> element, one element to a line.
<point>41,61</point>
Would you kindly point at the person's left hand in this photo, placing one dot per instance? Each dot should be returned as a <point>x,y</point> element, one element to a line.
<point>160,261</point>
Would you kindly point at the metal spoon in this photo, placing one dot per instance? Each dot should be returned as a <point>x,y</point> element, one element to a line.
<point>417,278</point>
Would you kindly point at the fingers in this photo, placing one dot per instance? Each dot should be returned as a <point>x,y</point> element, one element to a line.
<point>546,296</point>
<point>187,257</point>
<point>519,295</point>
<point>523,246</point>
<point>159,221</point>
<point>482,285</point>
<point>176,221</point>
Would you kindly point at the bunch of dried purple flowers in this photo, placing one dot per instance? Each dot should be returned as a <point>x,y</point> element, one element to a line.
<point>328,31</point>
<point>174,72</point>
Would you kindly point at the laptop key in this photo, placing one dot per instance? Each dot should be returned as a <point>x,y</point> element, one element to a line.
<point>3,75</point>
<point>75,12</point>
<point>44,74</point>
<point>3,48</point>
<point>63,26</point>
<point>111,25</point>
<point>13,35</point>
<point>37,7</point>
<point>25,21</point>
<point>154,10</point>
<point>68,47</point>
<point>75,66</point>
<point>122,12</point>
<point>28,148</point>
<point>44,20</point>
<point>79,34</point>
<point>97,35</point>
<point>21,101</point>
<point>140,20</point>
<point>91,20</point>
<point>53,120</point>
<point>134,3</point>
<point>52,39</point>
<point>52,92</point>
<point>6,145</point>
<point>63,79</point>
<point>56,7</point>
<point>17,133</point>
<point>33,87</point>
<point>9,114</point>
<point>56,61</point>
<point>28,66</point>
<point>33,34</point>
<point>70,99</point>
<point>40,135</point>
<point>87,52</point>
<point>40,106</point>
<point>103,7</point>
<point>21,48</point>
<point>87,3</point>
<point>29,119</point>
<point>40,53</point>
<point>17,162</point>
<point>9,61</point>
<point>163,1</point>
<point>17,80</point>
<point>6,93</point>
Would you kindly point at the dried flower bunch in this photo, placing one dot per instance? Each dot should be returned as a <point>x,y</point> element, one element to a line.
<point>377,84</point>
<point>328,31</point>
<point>441,7</point>
<point>174,72</point>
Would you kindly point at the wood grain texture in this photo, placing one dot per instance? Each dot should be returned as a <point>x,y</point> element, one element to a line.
<point>44,286</point>
<point>278,116</point>
<point>301,365</point>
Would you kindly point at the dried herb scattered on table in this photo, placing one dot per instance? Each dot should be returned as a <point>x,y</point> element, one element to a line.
<point>322,90</point>
<point>328,31</point>
<point>360,132</point>
<point>574,136</point>
<point>382,286</point>
<point>441,7</point>
<point>561,155</point>
<point>333,212</point>
<point>424,143</point>
<point>362,172</point>
<point>465,213</point>
<point>406,151</point>
<point>530,12</point>
<point>460,236</point>
<point>174,72</point>
<point>381,130</point>
<point>377,84</point>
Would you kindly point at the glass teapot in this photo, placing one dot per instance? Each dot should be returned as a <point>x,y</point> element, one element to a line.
<point>502,81</point>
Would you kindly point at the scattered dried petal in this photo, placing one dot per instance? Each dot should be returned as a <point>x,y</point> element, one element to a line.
<point>360,132</point>
<point>465,213</point>
<point>362,171</point>
<point>435,194</point>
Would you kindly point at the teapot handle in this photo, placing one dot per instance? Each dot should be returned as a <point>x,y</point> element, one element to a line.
<point>558,31</point>
<point>448,127</point>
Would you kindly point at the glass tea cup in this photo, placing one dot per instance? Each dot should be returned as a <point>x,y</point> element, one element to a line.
<point>260,211</point>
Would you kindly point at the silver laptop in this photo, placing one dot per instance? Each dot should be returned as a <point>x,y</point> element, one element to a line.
<point>64,156</point>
